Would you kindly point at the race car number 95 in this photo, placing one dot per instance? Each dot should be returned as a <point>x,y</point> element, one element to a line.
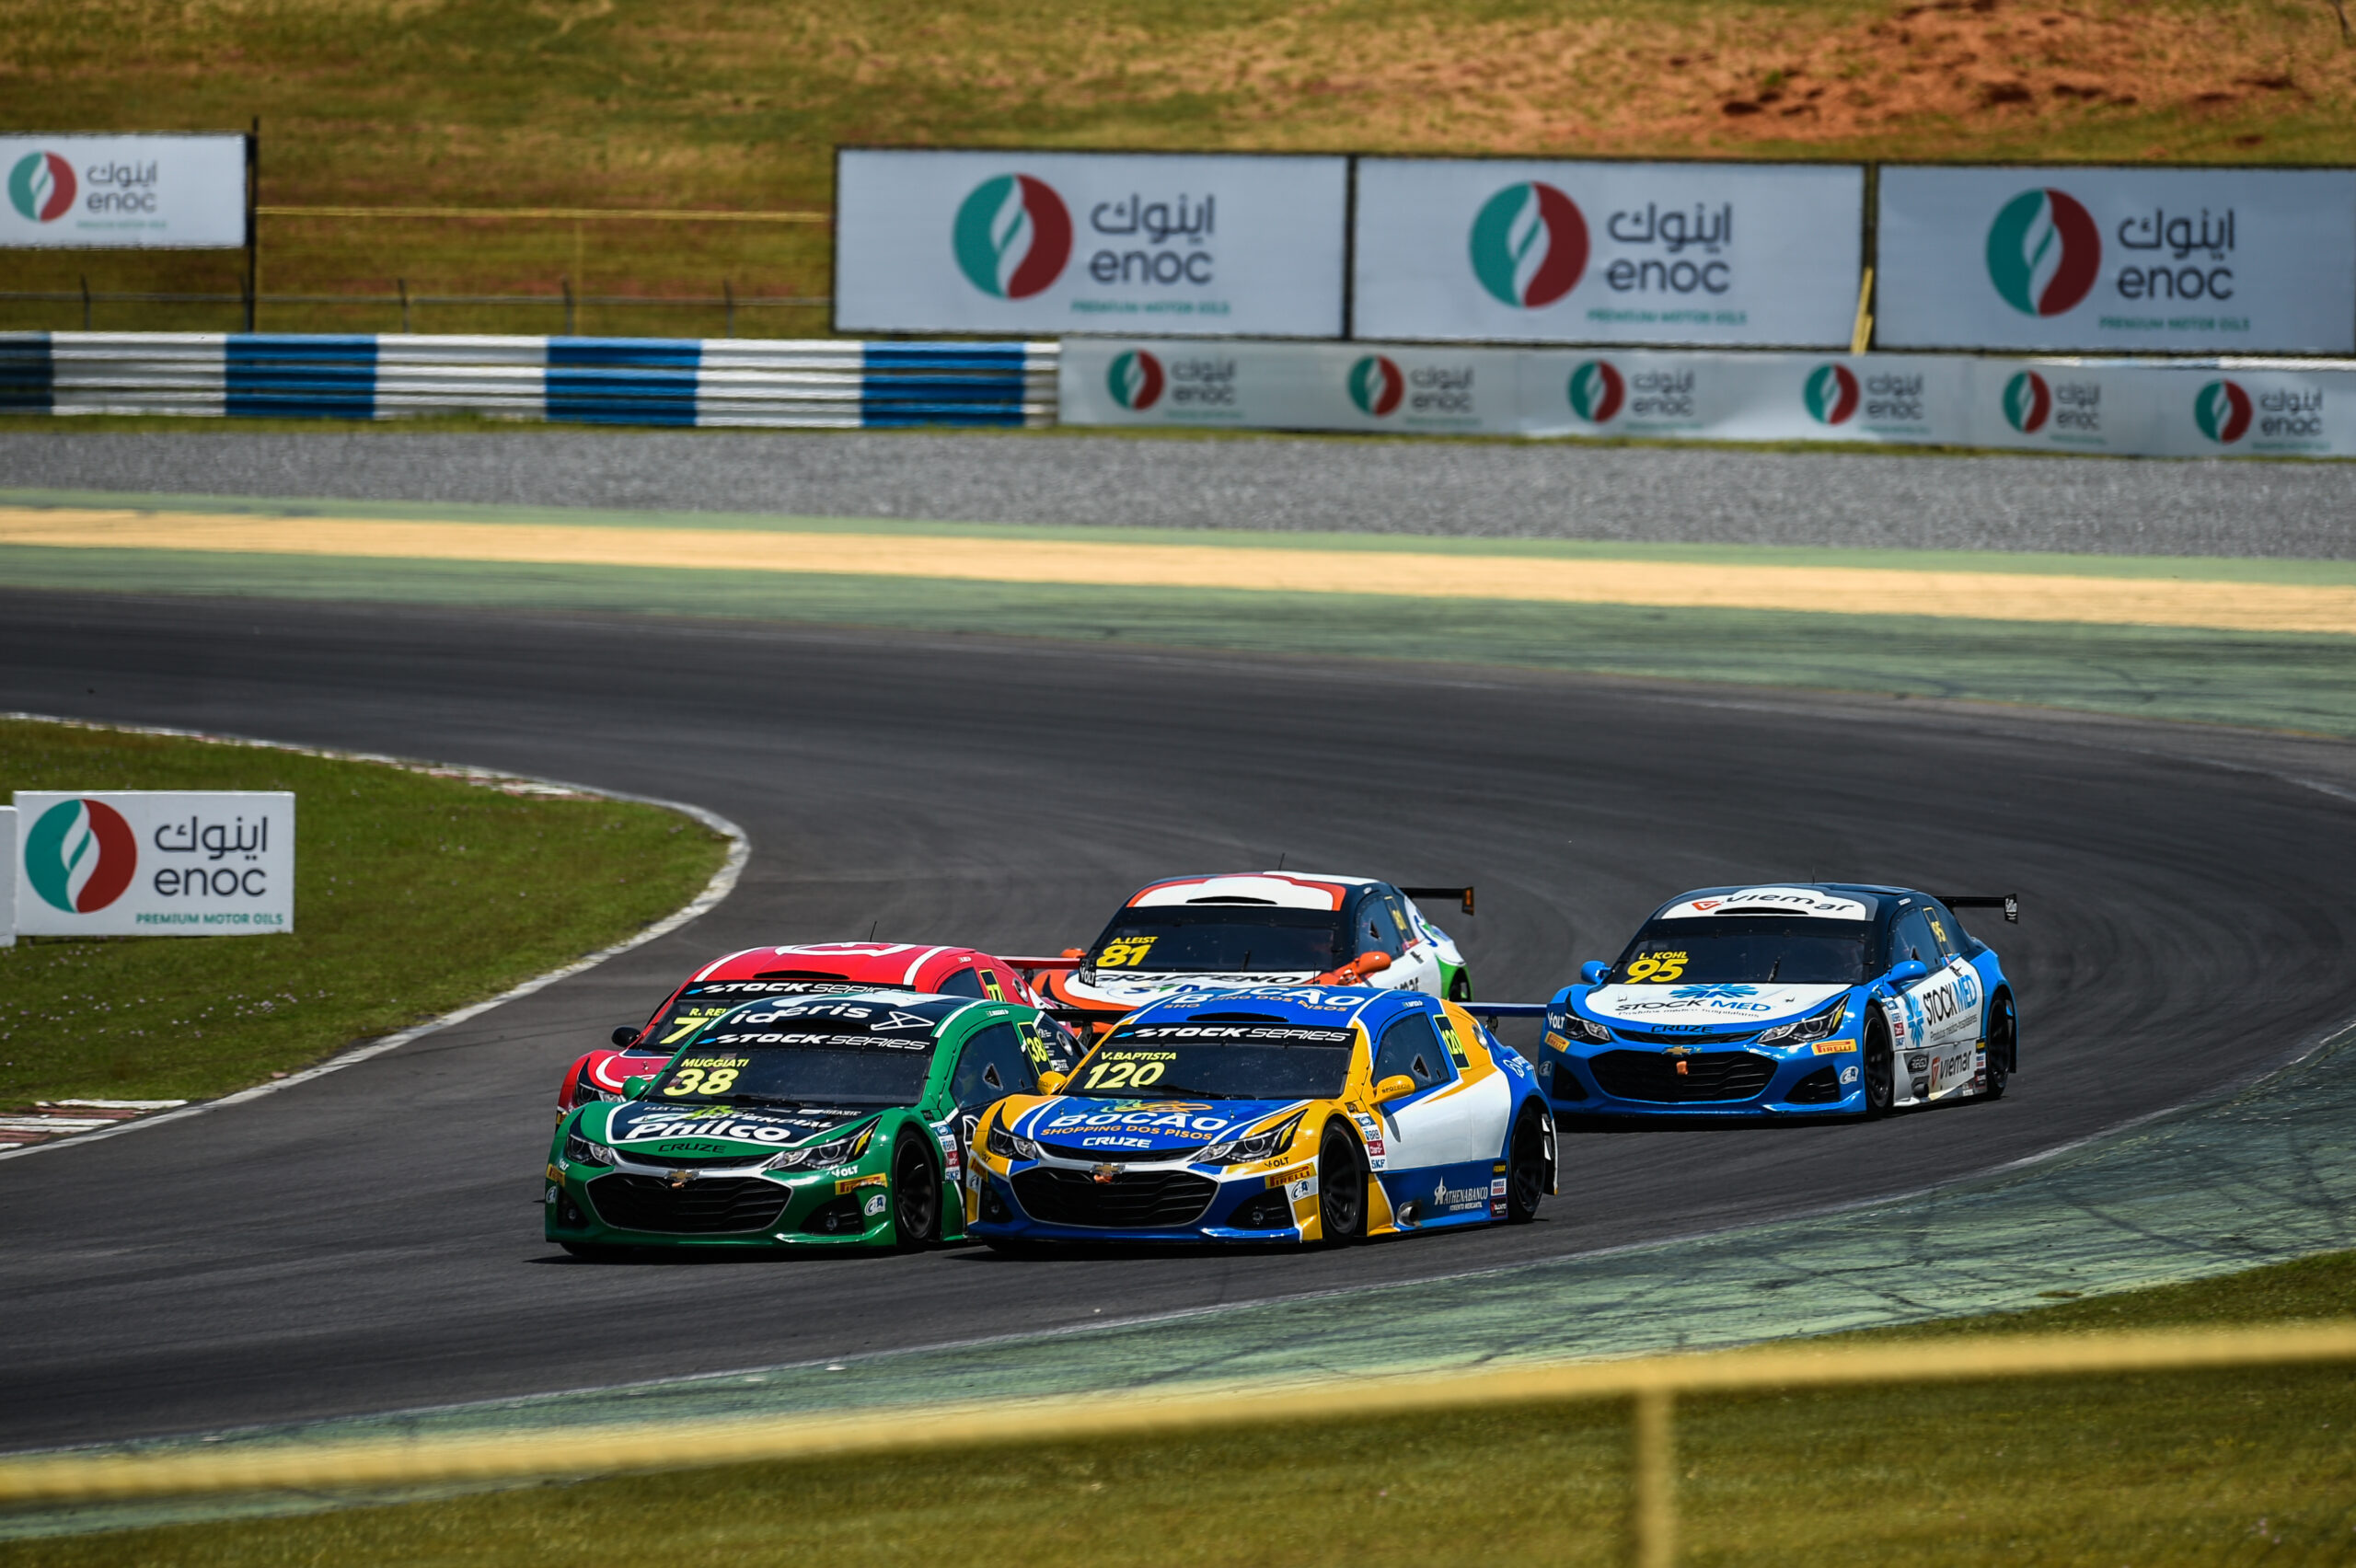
<point>1658,966</point>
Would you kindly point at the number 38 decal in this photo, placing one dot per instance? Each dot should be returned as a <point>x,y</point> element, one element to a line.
<point>692,1081</point>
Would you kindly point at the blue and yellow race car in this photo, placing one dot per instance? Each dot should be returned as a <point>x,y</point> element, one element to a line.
<point>1269,1114</point>
<point>1811,999</point>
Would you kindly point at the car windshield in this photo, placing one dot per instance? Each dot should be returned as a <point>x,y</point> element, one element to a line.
<point>861,1050</point>
<point>700,1002</point>
<point>1757,949</point>
<point>1221,938</point>
<point>1209,1059</point>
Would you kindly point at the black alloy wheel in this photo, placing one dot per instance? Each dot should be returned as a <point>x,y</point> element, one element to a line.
<point>1881,1069</point>
<point>1526,1167</point>
<point>2003,1040</point>
<point>1341,1188</point>
<point>916,1196</point>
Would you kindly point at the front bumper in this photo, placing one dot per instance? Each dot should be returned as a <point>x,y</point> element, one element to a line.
<point>1725,1079</point>
<point>1058,1200</point>
<point>722,1207</point>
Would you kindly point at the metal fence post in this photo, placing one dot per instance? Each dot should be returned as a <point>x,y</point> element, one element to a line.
<point>402,283</point>
<point>567,308</point>
<point>1655,1510</point>
<point>728,292</point>
<point>85,301</point>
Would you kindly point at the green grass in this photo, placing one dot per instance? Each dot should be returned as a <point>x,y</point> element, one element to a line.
<point>414,894</point>
<point>2151,1469</point>
<point>732,106</point>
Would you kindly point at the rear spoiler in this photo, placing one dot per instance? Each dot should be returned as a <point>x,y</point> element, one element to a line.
<point>1463,895</point>
<point>2010,903</point>
<point>1489,1012</point>
<point>1041,962</point>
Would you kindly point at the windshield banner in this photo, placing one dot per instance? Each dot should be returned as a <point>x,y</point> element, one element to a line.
<point>154,863</point>
<point>117,192</point>
<point>1182,244</point>
<point>2183,260</point>
<point>1750,254</point>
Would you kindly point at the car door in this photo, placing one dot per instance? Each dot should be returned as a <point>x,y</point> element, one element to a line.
<point>994,1063</point>
<point>1970,1018</point>
<point>1442,1138</point>
<point>1416,967</point>
<point>1942,1029</point>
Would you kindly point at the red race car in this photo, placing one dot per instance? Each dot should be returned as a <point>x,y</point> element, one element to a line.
<point>797,971</point>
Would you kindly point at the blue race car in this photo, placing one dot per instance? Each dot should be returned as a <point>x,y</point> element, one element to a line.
<point>1268,1114</point>
<point>1813,998</point>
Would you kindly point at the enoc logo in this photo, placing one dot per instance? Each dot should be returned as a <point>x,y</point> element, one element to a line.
<point>2043,252</point>
<point>2222,409</point>
<point>1013,236</point>
<point>1376,385</point>
<point>41,187</point>
<point>1136,380</point>
<point>80,855</point>
<point>1530,244</point>
<point>1830,394</point>
<point>1598,390</point>
<point>2028,402</point>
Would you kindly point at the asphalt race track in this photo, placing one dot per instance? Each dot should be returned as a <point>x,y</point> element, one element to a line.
<point>372,1240</point>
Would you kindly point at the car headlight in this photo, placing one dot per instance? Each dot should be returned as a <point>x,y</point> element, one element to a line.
<point>1258,1146</point>
<point>1817,1025</point>
<point>1006,1146</point>
<point>580,1151</point>
<point>1578,1027</point>
<point>834,1152</point>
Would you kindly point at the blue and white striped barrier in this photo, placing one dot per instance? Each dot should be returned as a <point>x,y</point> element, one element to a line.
<point>712,381</point>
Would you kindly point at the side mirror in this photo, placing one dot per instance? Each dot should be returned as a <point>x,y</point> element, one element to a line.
<point>636,1088</point>
<point>1592,971</point>
<point>1373,962</point>
<point>1051,1083</point>
<point>1398,1086</point>
<point>1075,952</point>
<point>1906,973</point>
<point>626,1035</point>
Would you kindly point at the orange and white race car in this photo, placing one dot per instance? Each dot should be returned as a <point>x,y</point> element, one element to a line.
<point>1256,928</point>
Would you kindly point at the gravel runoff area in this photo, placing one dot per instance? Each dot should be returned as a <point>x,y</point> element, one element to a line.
<point>2106,506</point>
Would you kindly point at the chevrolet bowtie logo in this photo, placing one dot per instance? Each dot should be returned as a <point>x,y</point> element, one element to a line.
<point>681,1178</point>
<point>1104,1174</point>
<point>1678,1051</point>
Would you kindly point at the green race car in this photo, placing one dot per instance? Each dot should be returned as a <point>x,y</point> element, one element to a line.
<point>796,1120</point>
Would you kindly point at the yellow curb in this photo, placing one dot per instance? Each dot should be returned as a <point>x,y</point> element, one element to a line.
<point>2113,601</point>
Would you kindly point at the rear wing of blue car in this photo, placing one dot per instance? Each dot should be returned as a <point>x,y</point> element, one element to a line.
<point>1462,896</point>
<point>2010,903</point>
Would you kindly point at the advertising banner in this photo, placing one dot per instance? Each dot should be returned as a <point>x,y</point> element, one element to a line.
<point>1177,245</point>
<point>1337,386</point>
<point>123,192</point>
<point>1756,254</point>
<point>1872,398</point>
<point>160,862</point>
<point>2274,412</point>
<point>2186,260</point>
<point>8,878</point>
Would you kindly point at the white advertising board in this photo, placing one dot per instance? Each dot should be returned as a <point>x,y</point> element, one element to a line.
<point>2227,260</point>
<point>155,862</point>
<point>8,878</point>
<point>1340,387</point>
<point>1757,255</point>
<point>1178,245</point>
<point>118,192</point>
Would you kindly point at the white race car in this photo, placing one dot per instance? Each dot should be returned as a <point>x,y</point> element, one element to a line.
<point>1257,928</point>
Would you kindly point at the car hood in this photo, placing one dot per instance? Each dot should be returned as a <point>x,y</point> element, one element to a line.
<point>1131,1127</point>
<point>1136,991</point>
<point>634,1124</point>
<point>1712,1006</point>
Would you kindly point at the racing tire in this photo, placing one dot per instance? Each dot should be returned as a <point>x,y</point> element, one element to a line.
<point>2003,1046</point>
<point>1460,986</point>
<point>1341,1188</point>
<point>915,1198</point>
<point>1526,1167</point>
<point>1881,1070</point>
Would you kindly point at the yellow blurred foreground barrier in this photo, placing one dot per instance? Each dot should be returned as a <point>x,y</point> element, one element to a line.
<point>1652,1383</point>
